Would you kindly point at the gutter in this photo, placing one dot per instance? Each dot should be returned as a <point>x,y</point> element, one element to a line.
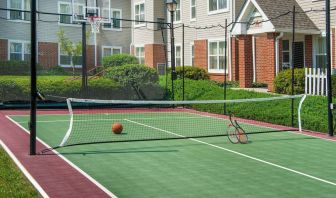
<point>277,53</point>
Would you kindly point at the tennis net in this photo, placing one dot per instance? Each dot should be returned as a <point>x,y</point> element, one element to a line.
<point>91,121</point>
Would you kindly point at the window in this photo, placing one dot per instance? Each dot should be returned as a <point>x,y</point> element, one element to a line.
<point>255,19</point>
<point>178,55</point>
<point>17,5</point>
<point>216,56</point>
<point>140,54</point>
<point>65,60</point>
<point>139,14</point>
<point>216,6</point>
<point>64,9</point>
<point>108,51</point>
<point>19,50</point>
<point>192,54</point>
<point>193,10</point>
<point>177,13</point>
<point>286,63</point>
<point>116,24</point>
<point>320,52</point>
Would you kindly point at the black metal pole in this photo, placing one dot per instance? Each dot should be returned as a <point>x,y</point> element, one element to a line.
<point>172,51</point>
<point>328,64</point>
<point>183,69</point>
<point>225,66</point>
<point>84,63</point>
<point>293,66</point>
<point>33,88</point>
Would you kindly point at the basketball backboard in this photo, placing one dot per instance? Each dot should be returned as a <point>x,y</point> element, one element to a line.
<point>82,10</point>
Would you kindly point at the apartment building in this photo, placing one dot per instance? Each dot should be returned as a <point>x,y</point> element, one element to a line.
<point>256,52</point>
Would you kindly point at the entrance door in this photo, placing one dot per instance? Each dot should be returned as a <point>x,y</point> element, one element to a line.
<point>298,50</point>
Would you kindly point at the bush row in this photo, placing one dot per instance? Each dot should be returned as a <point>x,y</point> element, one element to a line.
<point>14,88</point>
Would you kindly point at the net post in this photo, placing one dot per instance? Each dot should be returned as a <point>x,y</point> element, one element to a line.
<point>293,57</point>
<point>328,65</point>
<point>172,56</point>
<point>225,66</point>
<point>33,88</point>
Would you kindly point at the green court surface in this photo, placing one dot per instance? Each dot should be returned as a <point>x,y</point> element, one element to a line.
<point>280,164</point>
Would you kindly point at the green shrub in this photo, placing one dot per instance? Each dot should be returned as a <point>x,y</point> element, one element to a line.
<point>142,79</point>
<point>259,85</point>
<point>16,67</point>
<point>17,88</point>
<point>56,71</point>
<point>194,73</point>
<point>283,82</point>
<point>119,60</point>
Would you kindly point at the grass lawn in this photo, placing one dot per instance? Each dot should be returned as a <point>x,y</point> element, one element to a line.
<point>314,110</point>
<point>12,182</point>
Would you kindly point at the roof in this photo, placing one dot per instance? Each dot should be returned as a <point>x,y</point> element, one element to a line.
<point>279,12</point>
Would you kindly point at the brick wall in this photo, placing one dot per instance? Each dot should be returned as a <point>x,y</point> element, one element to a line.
<point>265,59</point>
<point>90,56</point>
<point>154,54</point>
<point>308,50</point>
<point>48,54</point>
<point>235,59</point>
<point>219,77</point>
<point>201,54</point>
<point>3,49</point>
<point>245,61</point>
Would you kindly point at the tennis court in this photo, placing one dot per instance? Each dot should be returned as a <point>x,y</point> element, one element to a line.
<point>279,164</point>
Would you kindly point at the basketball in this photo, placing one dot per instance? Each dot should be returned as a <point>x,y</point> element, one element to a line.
<point>117,128</point>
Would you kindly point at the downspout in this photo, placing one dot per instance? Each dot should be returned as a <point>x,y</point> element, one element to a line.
<point>254,59</point>
<point>277,53</point>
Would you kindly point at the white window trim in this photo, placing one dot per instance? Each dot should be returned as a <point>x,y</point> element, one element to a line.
<point>220,10</point>
<point>225,56</point>
<point>16,20</point>
<point>192,44</point>
<point>71,18</point>
<point>59,60</point>
<point>17,41</point>
<point>110,47</point>
<point>290,53</point>
<point>179,45</point>
<point>181,13</point>
<point>191,7</point>
<point>114,29</point>
<point>315,46</point>
<point>134,8</point>
<point>135,52</point>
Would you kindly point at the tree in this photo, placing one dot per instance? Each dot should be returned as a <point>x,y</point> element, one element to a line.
<point>72,49</point>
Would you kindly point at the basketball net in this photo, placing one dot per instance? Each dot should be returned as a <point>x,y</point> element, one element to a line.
<point>95,23</point>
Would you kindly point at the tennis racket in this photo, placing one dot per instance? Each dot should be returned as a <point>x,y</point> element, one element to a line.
<point>236,134</point>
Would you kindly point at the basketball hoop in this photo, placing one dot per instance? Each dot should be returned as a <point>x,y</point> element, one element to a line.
<point>95,23</point>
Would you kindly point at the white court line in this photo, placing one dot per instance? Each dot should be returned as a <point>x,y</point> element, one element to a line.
<point>91,120</point>
<point>109,193</point>
<point>237,153</point>
<point>24,170</point>
<point>299,133</point>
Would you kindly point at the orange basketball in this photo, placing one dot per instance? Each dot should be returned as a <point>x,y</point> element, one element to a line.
<point>117,128</point>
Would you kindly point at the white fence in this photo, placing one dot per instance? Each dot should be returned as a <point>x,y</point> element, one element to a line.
<point>316,81</point>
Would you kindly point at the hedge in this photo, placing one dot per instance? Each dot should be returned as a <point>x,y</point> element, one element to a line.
<point>16,67</point>
<point>283,82</point>
<point>119,60</point>
<point>194,73</point>
<point>14,88</point>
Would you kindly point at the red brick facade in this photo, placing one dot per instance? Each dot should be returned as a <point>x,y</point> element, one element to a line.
<point>48,54</point>
<point>245,61</point>
<point>90,56</point>
<point>308,50</point>
<point>265,59</point>
<point>154,54</point>
<point>201,54</point>
<point>235,59</point>
<point>3,49</point>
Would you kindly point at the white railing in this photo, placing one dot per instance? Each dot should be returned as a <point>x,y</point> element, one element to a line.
<point>316,81</point>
